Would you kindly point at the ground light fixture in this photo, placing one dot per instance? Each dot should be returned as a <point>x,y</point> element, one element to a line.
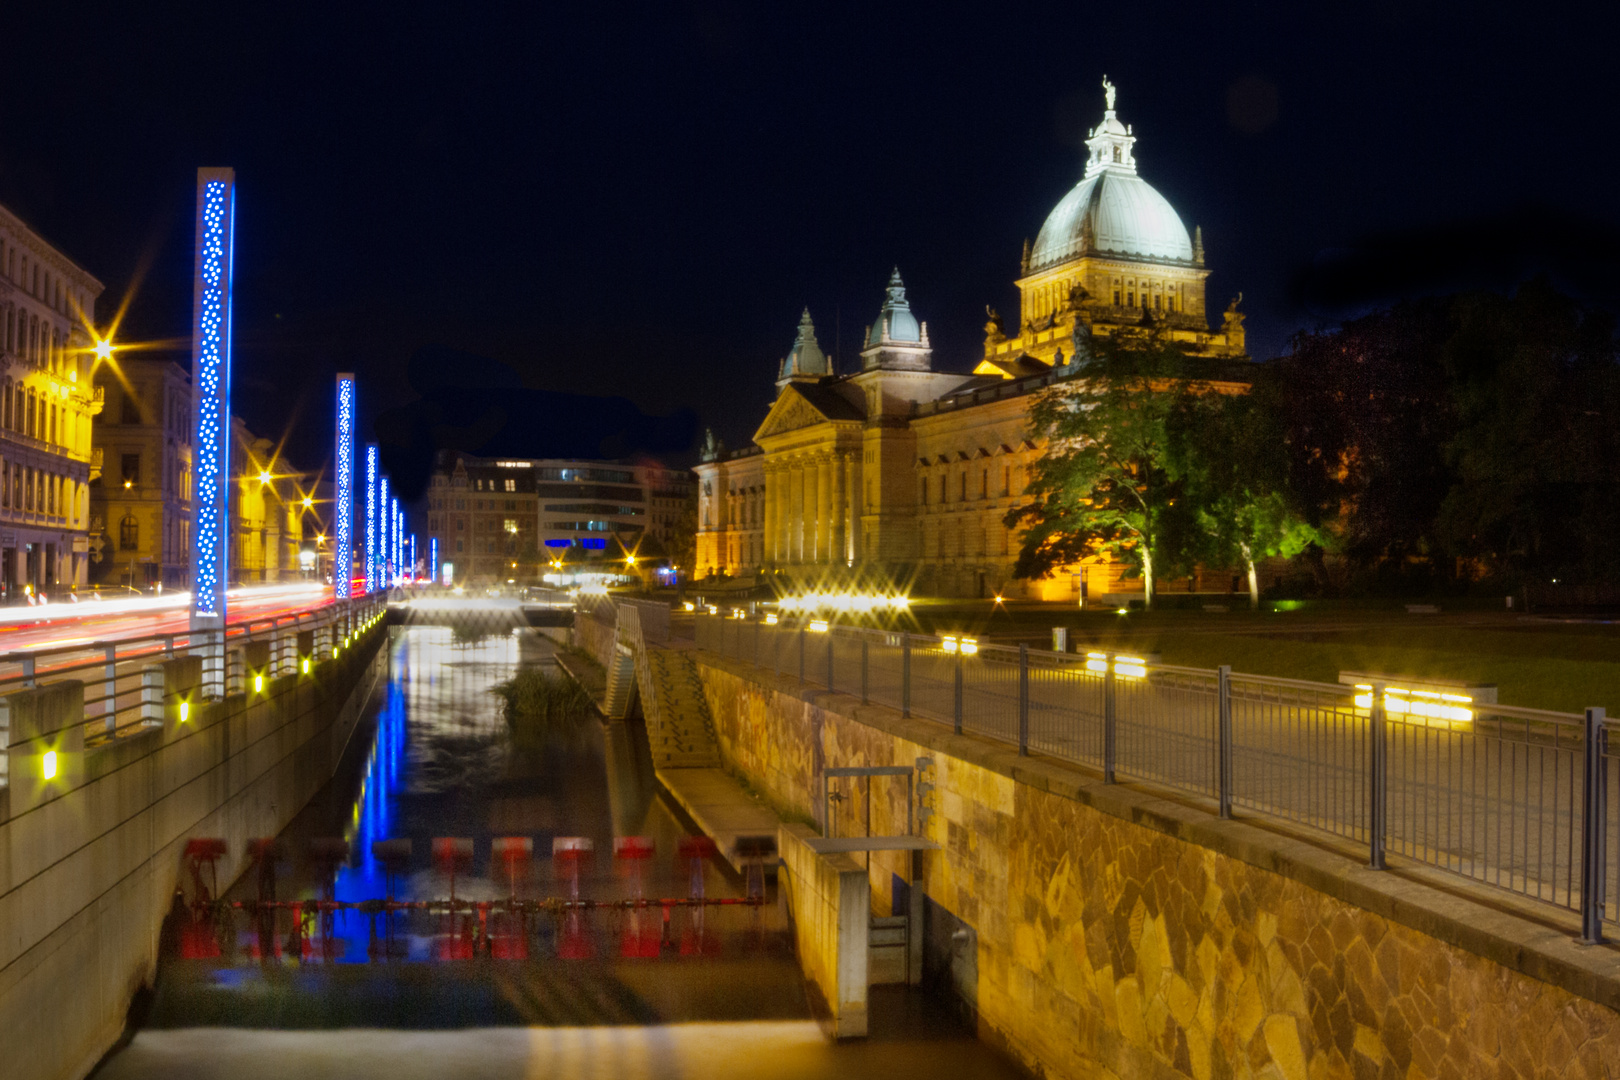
<point>1432,707</point>
<point>47,765</point>
<point>258,684</point>
<point>966,646</point>
<point>185,711</point>
<point>1132,667</point>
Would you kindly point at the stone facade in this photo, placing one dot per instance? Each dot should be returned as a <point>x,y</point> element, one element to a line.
<point>897,471</point>
<point>1123,935</point>
<point>140,505</point>
<point>46,403</point>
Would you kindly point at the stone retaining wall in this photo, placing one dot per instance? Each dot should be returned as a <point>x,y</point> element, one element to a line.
<point>1121,934</point>
<point>90,858</point>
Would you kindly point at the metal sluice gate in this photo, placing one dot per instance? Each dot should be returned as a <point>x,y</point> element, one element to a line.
<point>513,927</point>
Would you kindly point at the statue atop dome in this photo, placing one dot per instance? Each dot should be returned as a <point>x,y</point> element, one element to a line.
<point>1108,93</point>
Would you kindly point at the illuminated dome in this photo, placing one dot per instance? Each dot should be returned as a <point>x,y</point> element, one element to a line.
<point>1112,211</point>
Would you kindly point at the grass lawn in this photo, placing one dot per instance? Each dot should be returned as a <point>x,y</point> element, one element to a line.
<point>1542,664</point>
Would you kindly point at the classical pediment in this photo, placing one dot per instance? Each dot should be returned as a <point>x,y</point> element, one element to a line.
<point>794,410</point>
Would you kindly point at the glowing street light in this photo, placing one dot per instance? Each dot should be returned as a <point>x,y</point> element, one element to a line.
<point>104,349</point>
<point>264,476</point>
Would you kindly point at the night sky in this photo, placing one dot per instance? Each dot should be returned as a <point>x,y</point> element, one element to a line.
<point>638,201</point>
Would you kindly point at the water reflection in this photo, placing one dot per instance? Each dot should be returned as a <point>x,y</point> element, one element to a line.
<point>612,995</point>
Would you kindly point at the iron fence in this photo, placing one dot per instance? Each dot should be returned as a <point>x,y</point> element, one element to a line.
<point>121,695</point>
<point>1520,799</point>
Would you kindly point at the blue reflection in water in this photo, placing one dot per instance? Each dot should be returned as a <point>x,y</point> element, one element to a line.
<point>435,684</point>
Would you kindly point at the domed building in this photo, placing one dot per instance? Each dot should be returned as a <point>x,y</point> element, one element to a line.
<point>908,472</point>
<point>1112,253</point>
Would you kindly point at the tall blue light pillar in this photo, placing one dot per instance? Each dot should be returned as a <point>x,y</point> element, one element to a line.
<point>385,530</point>
<point>343,544</point>
<point>211,413</point>
<point>371,518</point>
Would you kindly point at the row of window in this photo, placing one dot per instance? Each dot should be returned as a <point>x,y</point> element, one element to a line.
<point>24,410</point>
<point>38,491</point>
<point>965,540</point>
<point>1155,295</point>
<point>982,486</point>
<point>477,504</point>
<point>41,283</point>
<point>38,343</point>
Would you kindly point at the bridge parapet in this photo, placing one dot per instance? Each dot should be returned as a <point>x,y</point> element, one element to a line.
<point>92,831</point>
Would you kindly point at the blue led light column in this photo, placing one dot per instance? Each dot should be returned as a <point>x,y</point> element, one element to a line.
<point>384,532</point>
<point>343,547</point>
<point>371,517</point>
<point>413,556</point>
<point>433,560</point>
<point>211,411</point>
<point>399,546</point>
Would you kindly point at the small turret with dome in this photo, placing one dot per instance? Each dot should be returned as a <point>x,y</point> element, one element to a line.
<point>1112,254</point>
<point>805,360</point>
<point>897,341</point>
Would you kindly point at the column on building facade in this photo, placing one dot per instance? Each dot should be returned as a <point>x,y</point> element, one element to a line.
<point>852,506</point>
<point>784,513</point>
<point>835,509</point>
<point>769,474</point>
<point>819,529</point>
<point>795,531</point>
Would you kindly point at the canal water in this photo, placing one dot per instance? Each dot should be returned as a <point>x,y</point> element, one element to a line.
<point>606,994</point>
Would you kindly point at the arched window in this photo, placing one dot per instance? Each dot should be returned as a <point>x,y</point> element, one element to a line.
<point>50,494</point>
<point>128,533</point>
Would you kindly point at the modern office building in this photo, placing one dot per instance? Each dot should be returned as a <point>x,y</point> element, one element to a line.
<point>499,520</point>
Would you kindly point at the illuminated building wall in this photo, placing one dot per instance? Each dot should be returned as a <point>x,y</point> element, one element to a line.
<point>47,361</point>
<point>895,469</point>
<point>343,518</point>
<point>372,576</point>
<point>211,391</point>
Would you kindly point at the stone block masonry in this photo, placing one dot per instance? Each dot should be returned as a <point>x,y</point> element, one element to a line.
<point>90,857</point>
<point>1121,934</point>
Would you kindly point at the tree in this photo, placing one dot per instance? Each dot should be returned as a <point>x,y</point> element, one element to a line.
<point>1227,451</point>
<point>1535,389</point>
<point>683,537</point>
<point>1104,482</point>
<point>1364,416</point>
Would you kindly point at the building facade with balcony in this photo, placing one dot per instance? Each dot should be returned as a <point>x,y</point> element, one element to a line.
<point>270,510</point>
<point>47,399</point>
<point>140,504</point>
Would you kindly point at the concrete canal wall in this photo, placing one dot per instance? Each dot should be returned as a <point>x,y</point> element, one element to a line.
<point>89,858</point>
<point>1103,931</point>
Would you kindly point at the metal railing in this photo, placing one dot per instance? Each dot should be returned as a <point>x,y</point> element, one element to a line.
<point>118,693</point>
<point>1521,799</point>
